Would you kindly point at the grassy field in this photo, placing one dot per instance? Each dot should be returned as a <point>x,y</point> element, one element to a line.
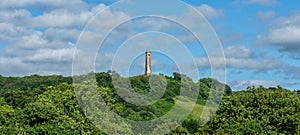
<point>183,106</point>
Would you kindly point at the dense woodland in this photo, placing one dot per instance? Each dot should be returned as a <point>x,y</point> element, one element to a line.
<point>48,105</point>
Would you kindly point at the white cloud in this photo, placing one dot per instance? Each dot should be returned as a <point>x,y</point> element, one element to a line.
<point>13,66</point>
<point>61,34</point>
<point>107,20</point>
<point>210,12</point>
<point>98,8</point>
<point>284,35</point>
<point>196,17</point>
<point>52,55</point>
<point>58,16</point>
<point>9,32</point>
<point>243,58</point>
<point>61,18</point>
<point>32,41</point>
<point>44,43</point>
<point>16,16</point>
<point>238,52</point>
<point>20,40</point>
<point>152,23</point>
<point>44,5</point>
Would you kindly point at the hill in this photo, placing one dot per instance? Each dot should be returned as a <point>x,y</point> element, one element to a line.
<point>48,105</point>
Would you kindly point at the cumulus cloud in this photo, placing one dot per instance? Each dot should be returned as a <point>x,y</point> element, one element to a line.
<point>238,52</point>
<point>63,34</point>
<point>44,5</point>
<point>16,16</point>
<point>61,18</point>
<point>12,66</point>
<point>9,32</point>
<point>32,41</point>
<point>52,55</point>
<point>18,66</point>
<point>44,43</point>
<point>243,58</point>
<point>284,36</point>
<point>210,12</point>
<point>55,17</point>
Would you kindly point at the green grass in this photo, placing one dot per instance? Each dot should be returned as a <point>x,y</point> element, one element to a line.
<point>183,105</point>
<point>163,105</point>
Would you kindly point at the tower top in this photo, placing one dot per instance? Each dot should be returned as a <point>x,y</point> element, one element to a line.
<point>148,63</point>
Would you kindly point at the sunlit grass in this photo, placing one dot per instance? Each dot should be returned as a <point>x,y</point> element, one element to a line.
<point>183,106</point>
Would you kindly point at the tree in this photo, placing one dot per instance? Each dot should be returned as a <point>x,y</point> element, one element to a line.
<point>6,112</point>
<point>257,111</point>
<point>18,98</point>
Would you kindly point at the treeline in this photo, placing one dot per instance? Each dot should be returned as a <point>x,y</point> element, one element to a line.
<point>48,105</point>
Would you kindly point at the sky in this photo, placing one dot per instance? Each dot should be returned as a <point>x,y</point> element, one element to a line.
<point>259,39</point>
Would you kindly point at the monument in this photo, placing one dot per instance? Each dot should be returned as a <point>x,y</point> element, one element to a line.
<point>148,63</point>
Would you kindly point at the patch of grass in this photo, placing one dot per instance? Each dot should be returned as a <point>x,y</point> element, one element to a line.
<point>163,105</point>
<point>183,104</point>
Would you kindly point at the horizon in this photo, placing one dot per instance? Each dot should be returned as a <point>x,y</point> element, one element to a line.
<point>194,81</point>
<point>259,39</point>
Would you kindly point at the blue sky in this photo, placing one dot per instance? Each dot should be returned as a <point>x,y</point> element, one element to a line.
<point>260,38</point>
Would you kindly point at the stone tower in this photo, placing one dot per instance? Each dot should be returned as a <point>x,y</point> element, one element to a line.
<point>148,63</point>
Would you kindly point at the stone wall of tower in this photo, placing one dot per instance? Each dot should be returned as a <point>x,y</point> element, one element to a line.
<point>148,63</point>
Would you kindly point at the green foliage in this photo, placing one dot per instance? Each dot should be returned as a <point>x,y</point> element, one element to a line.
<point>191,124</point>
<point>298,92</point>
<point>94,108</point>
<point>19,98</point>
<point>55,111</point>
<point>180,131</point>
<point>140,84</point>
<point>63,97</point>
<point>257,111</point>
<point>164,105</point>
<point>206,84</point>
<point>104,79</point>
<point>31,82</point>
<point>6,112</point>
<point>173,88</point>
<point>48,105</point>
